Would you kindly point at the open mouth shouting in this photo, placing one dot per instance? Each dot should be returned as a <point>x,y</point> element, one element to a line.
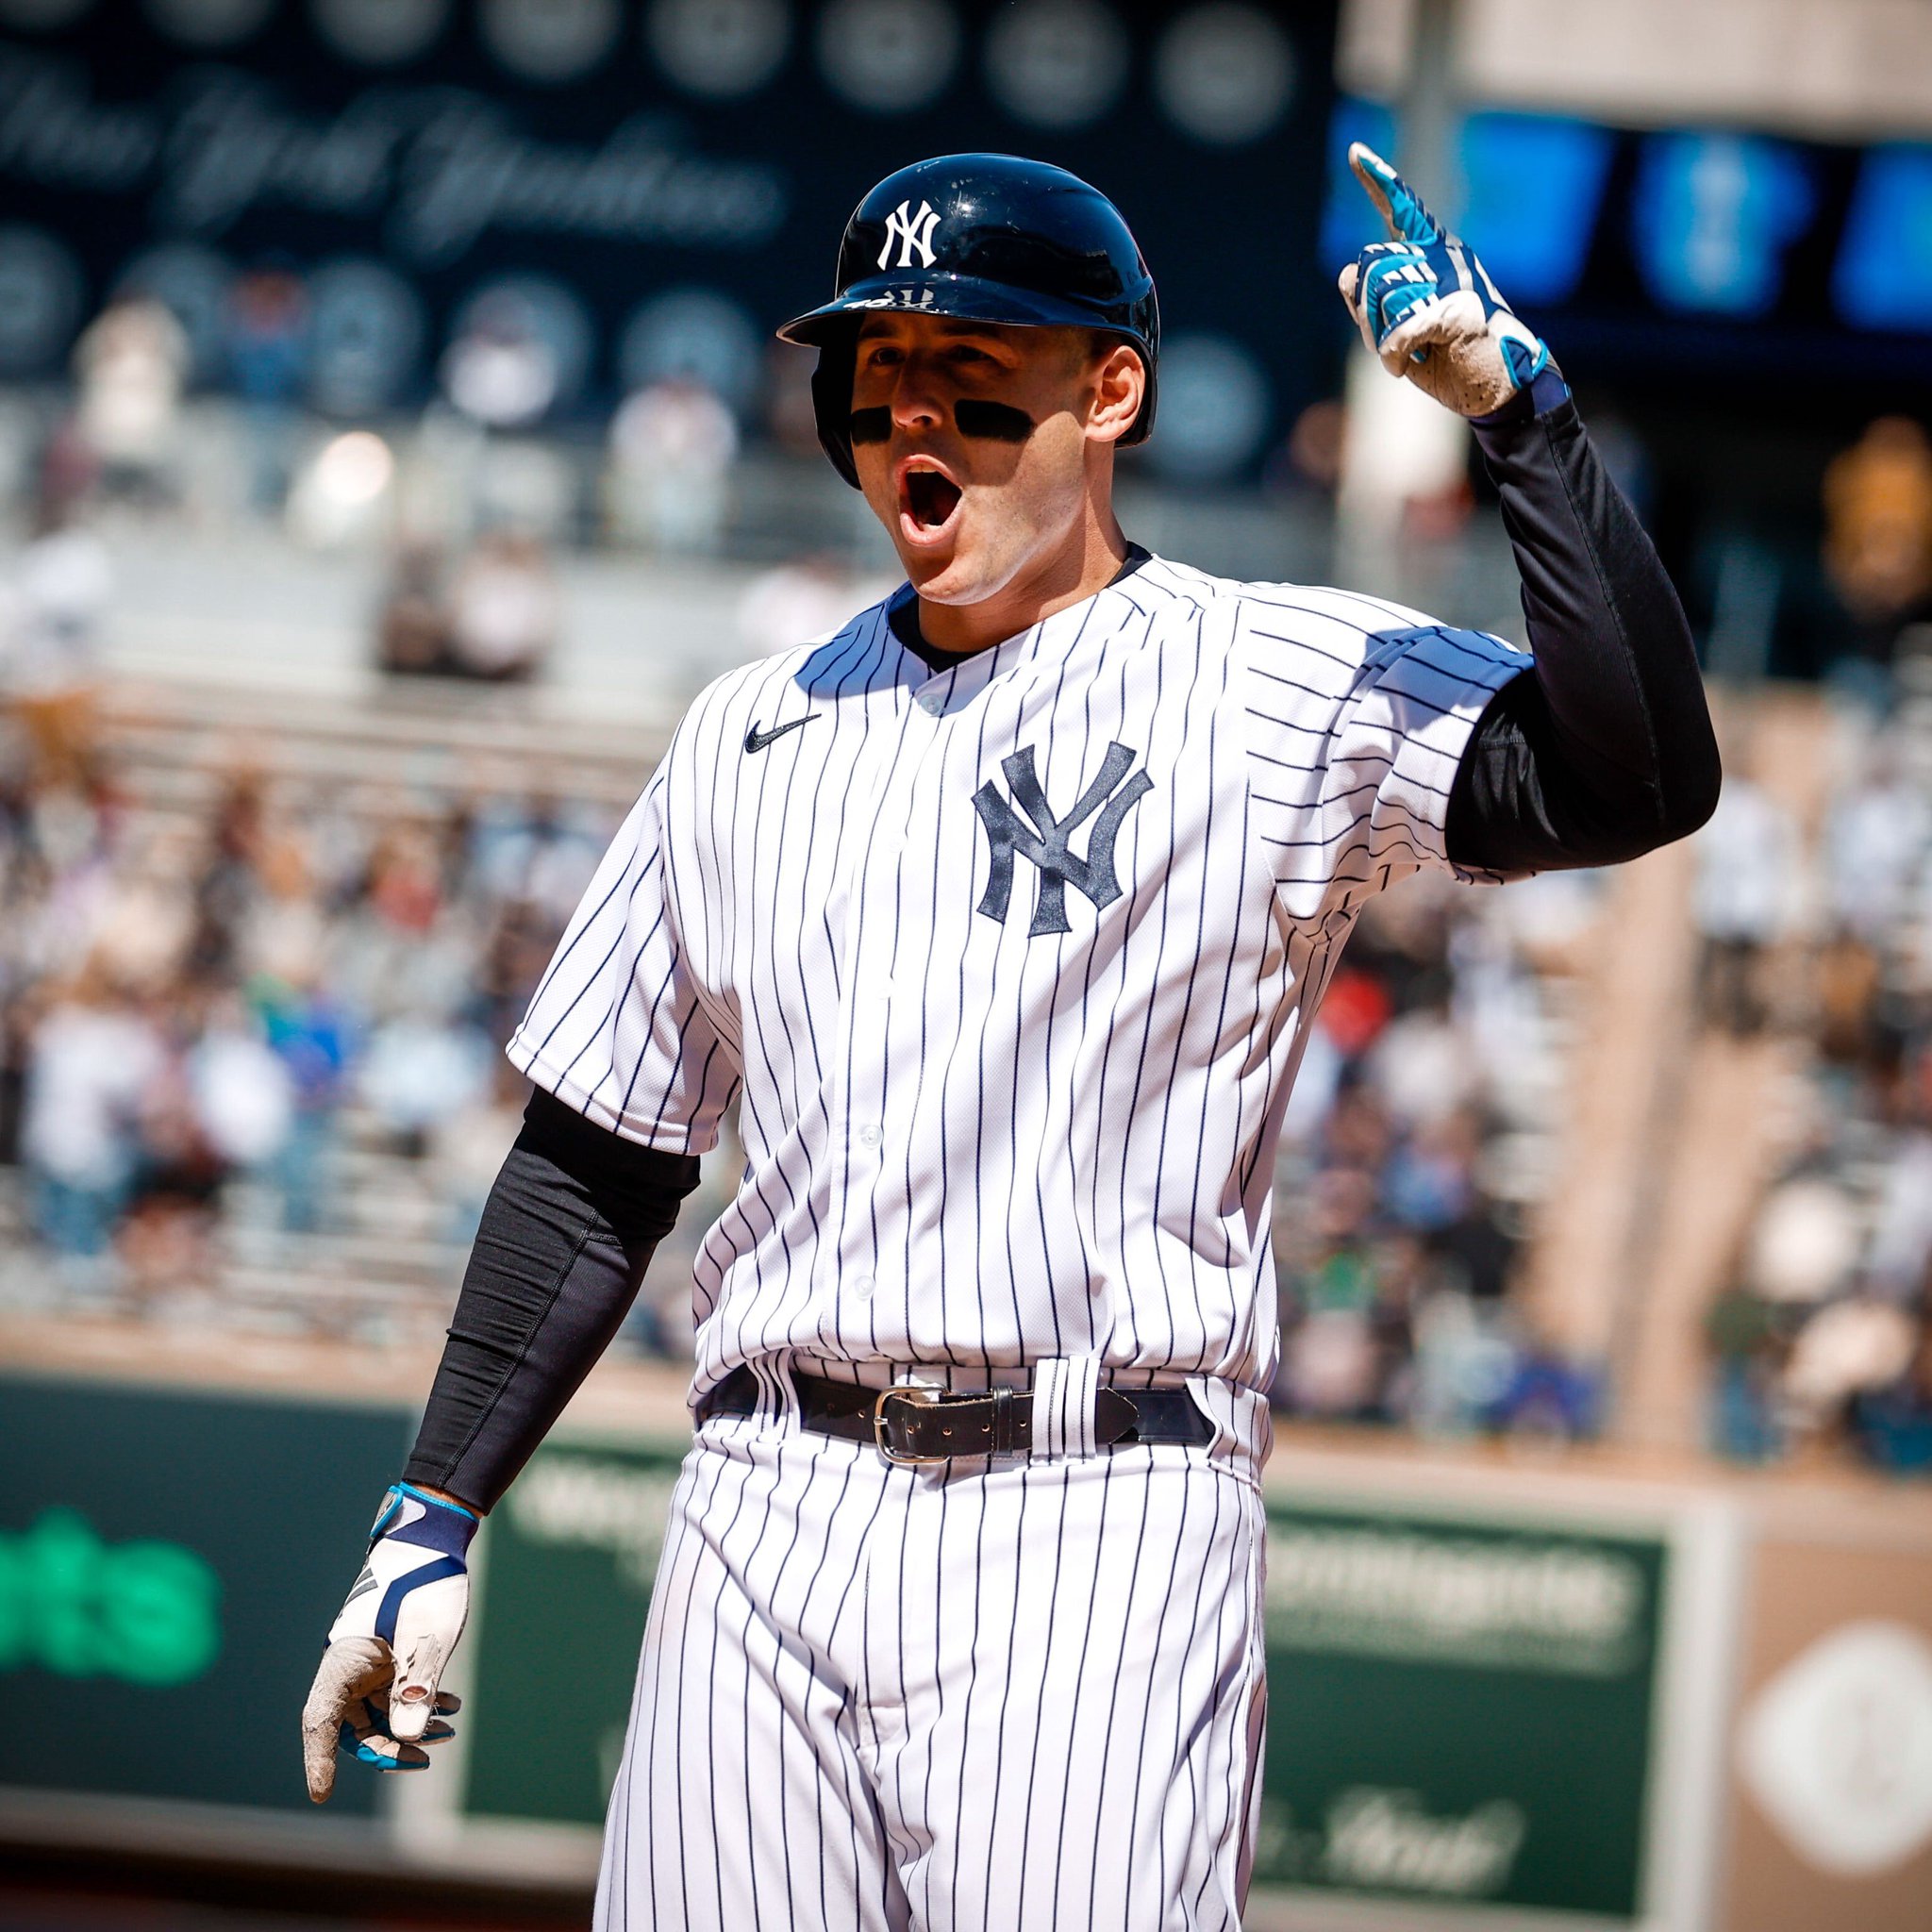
<point>928,500</point>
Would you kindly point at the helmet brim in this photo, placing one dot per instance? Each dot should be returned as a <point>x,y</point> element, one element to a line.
<point>966,298</point>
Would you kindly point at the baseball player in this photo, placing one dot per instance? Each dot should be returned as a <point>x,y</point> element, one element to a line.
<point>1000,919</point>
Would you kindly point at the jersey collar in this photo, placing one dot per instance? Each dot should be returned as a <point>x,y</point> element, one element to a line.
<point>902,617</point>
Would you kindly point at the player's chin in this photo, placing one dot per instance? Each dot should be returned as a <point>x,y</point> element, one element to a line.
<point>941,562</point>
<point>962,575</point>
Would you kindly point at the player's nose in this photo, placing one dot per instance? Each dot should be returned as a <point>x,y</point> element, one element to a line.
<point>918,398</point>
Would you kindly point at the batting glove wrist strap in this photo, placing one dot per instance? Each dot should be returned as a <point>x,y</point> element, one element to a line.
<point>375,1695</point>
<point>1428,311</point>
<point>414,1516</point>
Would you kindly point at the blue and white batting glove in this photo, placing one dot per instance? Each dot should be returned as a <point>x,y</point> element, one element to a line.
<point>1429,310</point>
<point>376,1694</point>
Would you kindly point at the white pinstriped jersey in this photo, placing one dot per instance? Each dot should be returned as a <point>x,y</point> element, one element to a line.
<point>1008,966</point>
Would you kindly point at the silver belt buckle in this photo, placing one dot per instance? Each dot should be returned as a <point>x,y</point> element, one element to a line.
<point>920,1398</point>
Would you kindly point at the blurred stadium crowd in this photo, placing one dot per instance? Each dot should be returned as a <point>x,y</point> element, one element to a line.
<point>256,1020</point>
<point>249,1052</point>
<point>1420,1147</point>
<point>1816,930</point>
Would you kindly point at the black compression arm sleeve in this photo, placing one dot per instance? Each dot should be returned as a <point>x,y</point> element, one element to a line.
<point>566,1235</point>
<point>1604,749</point>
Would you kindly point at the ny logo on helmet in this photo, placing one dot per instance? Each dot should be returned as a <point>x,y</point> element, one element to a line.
<point>913,233</point>
<point>1044,841</point>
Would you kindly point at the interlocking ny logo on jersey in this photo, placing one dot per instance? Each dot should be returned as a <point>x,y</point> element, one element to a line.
<point>1044,841</point>
<point>912,233</point>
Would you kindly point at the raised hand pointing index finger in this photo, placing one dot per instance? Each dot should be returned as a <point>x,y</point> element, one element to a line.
<point>1400,206</point>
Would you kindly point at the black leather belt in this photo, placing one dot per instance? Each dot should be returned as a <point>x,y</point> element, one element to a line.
<point>912,1424</point>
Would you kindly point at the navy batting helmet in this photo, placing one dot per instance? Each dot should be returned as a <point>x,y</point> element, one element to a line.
<point>988,238</point>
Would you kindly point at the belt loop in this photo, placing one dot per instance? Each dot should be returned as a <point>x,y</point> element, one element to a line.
<point>1063,1392</point>
<point>774,1388</point>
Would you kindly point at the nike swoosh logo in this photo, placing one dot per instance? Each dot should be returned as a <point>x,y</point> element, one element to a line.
<point>756,739</point>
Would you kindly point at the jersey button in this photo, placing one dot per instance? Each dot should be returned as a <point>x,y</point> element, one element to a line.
<point>870,1136</point>
<point>931,703</point>
<point>862,1286</point>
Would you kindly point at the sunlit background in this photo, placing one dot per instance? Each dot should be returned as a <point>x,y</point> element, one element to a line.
<point>392,443</point>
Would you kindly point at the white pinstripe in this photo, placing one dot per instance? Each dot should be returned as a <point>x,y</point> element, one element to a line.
<point>976,1146</point>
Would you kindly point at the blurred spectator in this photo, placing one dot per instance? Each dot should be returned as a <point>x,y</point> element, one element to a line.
<point>173,1201</point>
<point>1546,1398</point>
<point>1806,1243</point>
<point>673,445</point>
<point>92,1065</point>
<point>140,922</point>
<point>1466,1360</point>
<point>504,610</point>
<point>1893,1423</point>
<point>1331,1363</point>
<point>50,623</point>
<point>130,364</point>
<point>499,372</point>
<point>1746,860</point>
<point>420,1073</point>
<point>1850,980</point>
<point>268,357</point>
<point>244,1092</point>
<point>1876,835</point>
<point>313,1039</point>
<point>1853,1347</point>
<point>1426,1068</point>
<point>230,879</point>
<point>1877,500</point>
<point>412,633</point>
<point>1747,1340</point>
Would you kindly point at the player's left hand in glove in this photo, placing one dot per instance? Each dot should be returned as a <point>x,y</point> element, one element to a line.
<point>375,1695</point>
<point>1429,310</point>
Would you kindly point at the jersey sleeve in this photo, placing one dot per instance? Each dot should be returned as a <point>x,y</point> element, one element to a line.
<point>1359,715</point>
<point>619,1027</point>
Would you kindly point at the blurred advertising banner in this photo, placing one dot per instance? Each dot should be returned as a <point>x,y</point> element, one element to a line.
<point>1459,1711</point>
<point>1832,1750</point>
<point>574,1544</point>
<point>169,1564</point>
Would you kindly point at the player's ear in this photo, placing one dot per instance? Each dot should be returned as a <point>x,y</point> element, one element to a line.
<point>1119,388</point>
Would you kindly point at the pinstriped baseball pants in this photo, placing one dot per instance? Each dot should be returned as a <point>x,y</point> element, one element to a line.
<point>1022,1695</point>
